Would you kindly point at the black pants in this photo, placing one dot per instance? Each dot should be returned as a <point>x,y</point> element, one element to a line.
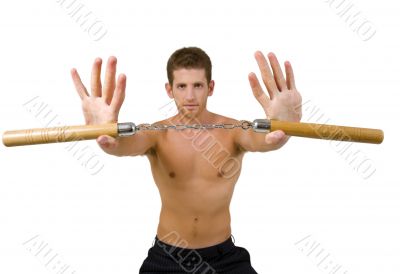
<point>223,258</point>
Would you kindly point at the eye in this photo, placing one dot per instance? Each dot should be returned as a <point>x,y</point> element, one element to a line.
<point>198,85</point>
<point>181,86</point>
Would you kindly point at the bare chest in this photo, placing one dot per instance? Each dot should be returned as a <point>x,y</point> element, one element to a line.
<point>205,154</point>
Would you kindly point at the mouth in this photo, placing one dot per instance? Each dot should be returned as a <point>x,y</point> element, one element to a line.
<point>190,107</point>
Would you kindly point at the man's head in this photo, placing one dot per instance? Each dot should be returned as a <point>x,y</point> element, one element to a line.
<point>189,80</point>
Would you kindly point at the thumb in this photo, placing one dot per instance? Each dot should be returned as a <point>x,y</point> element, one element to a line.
<point>275,137</point>
<point>106,142</point>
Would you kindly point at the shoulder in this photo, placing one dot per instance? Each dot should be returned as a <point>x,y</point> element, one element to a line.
<point>152,137</point>
<point>236,133</point>
<point>245,139</point>
<point>224,119</point>
<point>233,121</point>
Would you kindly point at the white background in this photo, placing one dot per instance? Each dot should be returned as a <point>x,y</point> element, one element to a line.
<point>105,223</point>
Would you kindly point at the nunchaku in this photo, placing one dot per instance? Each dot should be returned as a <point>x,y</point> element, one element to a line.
<point>88,132</point>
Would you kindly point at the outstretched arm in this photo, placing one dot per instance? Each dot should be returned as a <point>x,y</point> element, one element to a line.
<point>283,102</point>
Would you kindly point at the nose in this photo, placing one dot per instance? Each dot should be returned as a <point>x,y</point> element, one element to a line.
<point>190,94</point>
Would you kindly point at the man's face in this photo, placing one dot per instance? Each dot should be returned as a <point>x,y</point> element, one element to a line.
<point>190,91</point>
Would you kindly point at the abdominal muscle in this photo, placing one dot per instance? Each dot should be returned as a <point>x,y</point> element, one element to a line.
<point>196,216</point>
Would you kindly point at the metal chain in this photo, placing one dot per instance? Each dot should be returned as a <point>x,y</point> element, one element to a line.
<point>244,124</point>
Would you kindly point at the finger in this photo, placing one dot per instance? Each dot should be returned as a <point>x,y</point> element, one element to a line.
<point>80,88</point>
<point>260,95</point>
<point>275,138</point>
<point>109,82</point>
<point>119,94</point>
<point>289,76</point>
<point>106,142</point>
<point>278,74</point>
<point>95,81</point>
<point>266,74</point>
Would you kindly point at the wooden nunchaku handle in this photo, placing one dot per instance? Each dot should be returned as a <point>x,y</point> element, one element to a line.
<point>330,132</point>
<point>58,134</point>
<point>87,132</point>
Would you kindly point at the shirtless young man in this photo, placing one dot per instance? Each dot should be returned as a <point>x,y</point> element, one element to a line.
<point>194,232</point>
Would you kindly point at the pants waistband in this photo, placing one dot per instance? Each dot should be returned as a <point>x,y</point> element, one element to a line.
<point>210,251</point>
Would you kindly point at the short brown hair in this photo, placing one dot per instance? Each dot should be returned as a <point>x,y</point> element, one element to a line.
<point>189,58</point>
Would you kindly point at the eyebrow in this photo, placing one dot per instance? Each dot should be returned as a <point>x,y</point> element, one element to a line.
<point>195,83</point>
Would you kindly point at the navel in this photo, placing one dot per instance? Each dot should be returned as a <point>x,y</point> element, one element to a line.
<point>194,227</point>
<point>172,174</point>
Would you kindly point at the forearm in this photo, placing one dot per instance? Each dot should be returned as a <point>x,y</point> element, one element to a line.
<point>260,142</point>
<point>266,147</point>
<point>137,144</point>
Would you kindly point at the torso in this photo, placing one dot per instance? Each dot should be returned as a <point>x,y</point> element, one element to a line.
<point>195,172</point>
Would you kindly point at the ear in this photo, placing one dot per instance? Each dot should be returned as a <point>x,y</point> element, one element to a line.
<point>211,88</point>
<point>168,88</point>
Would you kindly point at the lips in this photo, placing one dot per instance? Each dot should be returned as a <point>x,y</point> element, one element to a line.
<point>190,107</point>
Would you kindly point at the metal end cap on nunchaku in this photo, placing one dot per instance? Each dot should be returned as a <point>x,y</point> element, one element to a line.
<point>261,125</point>
<point>126,129</point>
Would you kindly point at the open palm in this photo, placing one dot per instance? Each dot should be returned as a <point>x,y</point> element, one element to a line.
<point>283,101</point>
<point>105,101</point>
